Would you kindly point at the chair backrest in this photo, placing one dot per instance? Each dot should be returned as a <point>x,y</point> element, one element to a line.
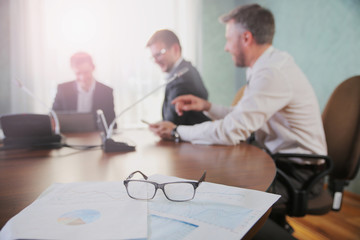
<point>238,96</point>
<point>341,118</point>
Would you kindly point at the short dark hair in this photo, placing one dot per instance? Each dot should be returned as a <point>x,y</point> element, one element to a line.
<point>79,58</point>
<point>165,36</point>
<point>254,18</point>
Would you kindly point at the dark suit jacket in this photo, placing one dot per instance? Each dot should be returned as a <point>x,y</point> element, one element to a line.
<point>66,99</point>
<point>189,83</point>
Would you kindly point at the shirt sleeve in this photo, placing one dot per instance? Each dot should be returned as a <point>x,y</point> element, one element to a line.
<point>218,112</point>
<point>266,93</point>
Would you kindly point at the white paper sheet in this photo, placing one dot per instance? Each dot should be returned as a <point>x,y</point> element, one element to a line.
<point>216,212</point>
<point>103,210</point>
<point>84,210</point>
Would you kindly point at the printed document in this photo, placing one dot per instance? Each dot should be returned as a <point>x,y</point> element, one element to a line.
<point>83,210</point>
<point>216,212</point>
<point>103,210</point>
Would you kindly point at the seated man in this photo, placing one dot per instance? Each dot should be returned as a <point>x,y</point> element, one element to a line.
<point>166,51</point>
<point>84,94</point>
<point>279,104</point>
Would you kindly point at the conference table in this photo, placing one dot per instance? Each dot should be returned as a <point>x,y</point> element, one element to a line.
<point>26,173</point>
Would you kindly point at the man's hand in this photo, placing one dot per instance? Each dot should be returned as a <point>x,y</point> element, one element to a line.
<point>163,129</point>
<point>190,103</point>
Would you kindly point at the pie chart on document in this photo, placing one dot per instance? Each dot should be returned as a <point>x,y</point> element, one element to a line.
<point>79,217</point>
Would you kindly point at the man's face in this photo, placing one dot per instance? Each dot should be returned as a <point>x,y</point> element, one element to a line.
<point>235,44</point>
<point>163,56</point>
<point>84,74</point>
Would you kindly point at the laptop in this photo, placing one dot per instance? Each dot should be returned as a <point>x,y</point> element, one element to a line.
<point>28,131</point>
<point>71,122</point>
<point>26,125</point>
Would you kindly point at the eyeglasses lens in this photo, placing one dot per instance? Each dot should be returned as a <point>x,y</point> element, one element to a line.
<point>141,190</point>
<point>179,191</point>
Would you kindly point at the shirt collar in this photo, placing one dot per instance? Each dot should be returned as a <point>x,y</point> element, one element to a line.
<point>258,62</point>
<point>91,90</point>
<point>172,71</point>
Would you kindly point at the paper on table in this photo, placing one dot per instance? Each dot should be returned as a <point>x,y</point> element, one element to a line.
<point>102,210</point>
<point>216,212</point>
<point>85,210</point>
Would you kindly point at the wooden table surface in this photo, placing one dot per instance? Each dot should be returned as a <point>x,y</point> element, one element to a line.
<point>24,174</point>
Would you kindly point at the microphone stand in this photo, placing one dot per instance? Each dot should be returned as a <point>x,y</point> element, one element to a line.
<point>109,144</point>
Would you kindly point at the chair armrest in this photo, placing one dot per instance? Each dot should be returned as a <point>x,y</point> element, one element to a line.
<point>328,165</point>
<point>298,197</point>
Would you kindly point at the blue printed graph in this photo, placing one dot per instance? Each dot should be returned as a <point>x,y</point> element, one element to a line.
<point>79,217</point>
<point>221,215</point>
<point>175,229</point>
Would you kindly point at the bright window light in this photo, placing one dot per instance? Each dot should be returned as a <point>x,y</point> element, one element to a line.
<point>114,32</point>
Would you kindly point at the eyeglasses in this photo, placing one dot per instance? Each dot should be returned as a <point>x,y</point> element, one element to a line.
<point>159,54</point>
<point>174,191</point>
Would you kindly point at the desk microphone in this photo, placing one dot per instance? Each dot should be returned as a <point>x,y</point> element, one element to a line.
<point>109,144</point>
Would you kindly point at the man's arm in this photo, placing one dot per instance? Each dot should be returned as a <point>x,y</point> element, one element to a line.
<point>66,97</point>
<point>182,104</point>
<point>190,83</point>
<point>104,99</point>
<point>57,105</point>
<point>266,95</point>
<point>163,129</point>
<point>190,103</point>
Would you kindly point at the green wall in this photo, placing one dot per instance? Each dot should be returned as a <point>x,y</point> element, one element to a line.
<point>322,35</point>
<point>217,68</point>
<point>4,56</point>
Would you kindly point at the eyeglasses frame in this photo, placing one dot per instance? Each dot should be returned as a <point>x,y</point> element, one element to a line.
<point>162,185</point>
<point>159,54</point>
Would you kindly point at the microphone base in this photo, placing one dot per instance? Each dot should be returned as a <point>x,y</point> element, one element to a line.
<point>39,142</point>
<point>111,146</point>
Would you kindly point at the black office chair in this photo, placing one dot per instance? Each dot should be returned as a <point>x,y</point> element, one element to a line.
<point>341,119</point>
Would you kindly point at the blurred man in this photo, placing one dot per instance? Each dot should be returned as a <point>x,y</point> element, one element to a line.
<point>166,52</point>
<point>279,104</point>
<point>84,94</point>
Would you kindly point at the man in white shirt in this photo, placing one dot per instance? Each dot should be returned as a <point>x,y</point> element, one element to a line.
<point>279,104</point>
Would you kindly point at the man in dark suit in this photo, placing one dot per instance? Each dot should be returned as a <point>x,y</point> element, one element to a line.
<point>84,94</point>
<point>166,52</point>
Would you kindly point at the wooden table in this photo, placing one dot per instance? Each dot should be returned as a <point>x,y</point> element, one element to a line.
<point>24,174</point>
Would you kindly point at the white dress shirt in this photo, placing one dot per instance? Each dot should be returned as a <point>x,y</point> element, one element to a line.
<point>84,98</point>
<point>279,105</point>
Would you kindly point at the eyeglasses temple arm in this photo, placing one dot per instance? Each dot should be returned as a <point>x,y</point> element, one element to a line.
<point>202,177</point>
<point>132,174</point>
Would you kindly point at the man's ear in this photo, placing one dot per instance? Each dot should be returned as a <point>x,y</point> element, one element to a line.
<point>176,48</point>
<point>248,38</point>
